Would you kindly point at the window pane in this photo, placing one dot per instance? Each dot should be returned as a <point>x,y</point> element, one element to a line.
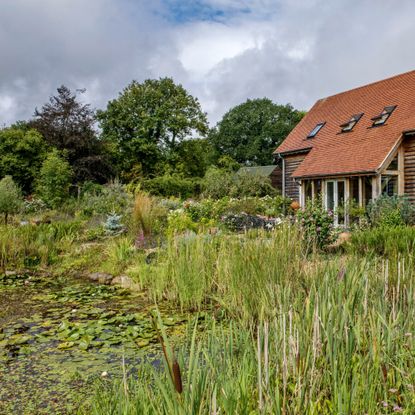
<point>340,200</point>
<point>394,164</point>
<point>354,189</point>
<point>308,191</point>
<point>389,185</point>
<point>330,195</point>
<point>367,187</point>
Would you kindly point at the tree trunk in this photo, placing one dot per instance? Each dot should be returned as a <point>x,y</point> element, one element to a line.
<point>5,218</point>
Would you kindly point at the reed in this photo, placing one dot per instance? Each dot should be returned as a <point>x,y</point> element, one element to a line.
<point>304,336</point>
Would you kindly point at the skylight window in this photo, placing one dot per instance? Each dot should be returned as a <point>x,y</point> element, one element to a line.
<point>315,130</point>
<point>383,116</point>
<point>349,125</point>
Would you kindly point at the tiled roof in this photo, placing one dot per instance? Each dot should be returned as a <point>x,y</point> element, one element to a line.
<point>364,148</point>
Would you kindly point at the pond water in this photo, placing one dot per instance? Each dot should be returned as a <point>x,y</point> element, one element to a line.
<point>58,336</point>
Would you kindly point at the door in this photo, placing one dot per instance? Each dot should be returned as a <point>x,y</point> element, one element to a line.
<point>335,197</point>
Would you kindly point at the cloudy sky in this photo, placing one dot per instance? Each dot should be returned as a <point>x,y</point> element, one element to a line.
<point>222,51</point>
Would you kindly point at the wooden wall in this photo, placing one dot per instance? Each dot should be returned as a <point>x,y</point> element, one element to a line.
<point>291,187</point>
<point>409,167</point>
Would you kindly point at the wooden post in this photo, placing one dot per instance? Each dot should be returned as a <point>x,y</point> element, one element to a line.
<point>361,197</point>
<point>401,170</point>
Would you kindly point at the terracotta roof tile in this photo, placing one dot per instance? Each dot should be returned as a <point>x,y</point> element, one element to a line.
<point>364,148</point>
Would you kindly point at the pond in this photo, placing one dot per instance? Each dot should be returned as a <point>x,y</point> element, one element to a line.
<point>59,335</point>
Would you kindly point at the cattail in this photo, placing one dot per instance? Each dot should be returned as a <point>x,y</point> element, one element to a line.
<point>177,377</point>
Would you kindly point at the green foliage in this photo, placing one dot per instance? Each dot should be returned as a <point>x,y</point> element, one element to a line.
<point>172,185</point>
<point>389,241</point>
<point>317,224</point>
<point>34,245</point>
<point>68,125</point>
<point>110,198</point>
<point>215,208</point>
<point>11,200</point>
<point>22,153</point>
<point>147,121</point>
<point>250,132</point>
<point>391,211</point>
<point>219,183</point>
<point>113,225</point>
<point>191,158</point>
<point>54,180</point>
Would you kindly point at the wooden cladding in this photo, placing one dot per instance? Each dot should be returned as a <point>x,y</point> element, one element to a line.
<point>291,186</point>
<point>409,167</point>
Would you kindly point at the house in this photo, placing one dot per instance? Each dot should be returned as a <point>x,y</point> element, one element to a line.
<point>273,172</point>
<point>353,146</point>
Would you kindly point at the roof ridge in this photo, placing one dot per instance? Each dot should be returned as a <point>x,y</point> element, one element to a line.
<point>367,85</point>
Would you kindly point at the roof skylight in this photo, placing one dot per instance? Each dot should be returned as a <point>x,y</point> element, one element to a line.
<point>349,125</point>
<point>383,116</point>
<point>315,130</point>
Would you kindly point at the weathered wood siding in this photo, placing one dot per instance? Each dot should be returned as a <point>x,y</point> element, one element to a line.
<point>291,187</point>
<point>409,167</point>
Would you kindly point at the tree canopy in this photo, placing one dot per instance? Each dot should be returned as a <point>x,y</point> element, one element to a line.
<point>250,132</point>
<point>22,152</point>
<point>147,122</point>
<point>10,197</point>
<point>67,124</point>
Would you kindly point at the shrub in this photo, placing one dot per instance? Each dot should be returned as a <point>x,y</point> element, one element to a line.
<point>317,225</point>
<point>109,198</point>
<point>54,180</point>
<point>113,224</point>
<point>219,183</point>
<point>391,211</point>
<point>10,197</point>
<point>384,241</point>
<point>172,185</point>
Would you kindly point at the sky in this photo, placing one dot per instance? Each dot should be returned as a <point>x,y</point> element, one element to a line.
<point>222,51</point>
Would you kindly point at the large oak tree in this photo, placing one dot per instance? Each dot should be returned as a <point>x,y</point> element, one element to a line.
<point>250,132</point>
<point>147,122</point>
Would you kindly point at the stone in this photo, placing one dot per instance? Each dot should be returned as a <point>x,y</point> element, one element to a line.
<point>125,281</point>
<point>101,277</point>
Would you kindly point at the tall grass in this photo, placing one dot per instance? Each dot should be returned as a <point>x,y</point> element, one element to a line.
<point>243,274</point>
<point>343,345</point>
<point>31,245</point>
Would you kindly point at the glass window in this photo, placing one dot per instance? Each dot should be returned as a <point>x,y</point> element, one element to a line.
<point>354,189</point>
<point>330,196</point>
<point>389,185</point>
<point>394,164</point>
<point>349,125</point>
<point>383,116</point>
<point>308,191</point>
<point>340,201</point>
<point>367,189</point>
<point>315,130</point>
<point>317,187</point>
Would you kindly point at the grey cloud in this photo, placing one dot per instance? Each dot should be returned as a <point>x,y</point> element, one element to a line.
<point>300,50</point>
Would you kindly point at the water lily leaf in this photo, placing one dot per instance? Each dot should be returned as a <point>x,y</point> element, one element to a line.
<point>66,345</point>
<point>142,343</point>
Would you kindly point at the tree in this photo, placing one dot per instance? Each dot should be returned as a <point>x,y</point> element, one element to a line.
<point>10,197</point>
<point>54,180</point>
<point>147,122</point>
<point>250,132</point>
<point>191,158</point>
<point>68,125</point>
<point>22,153</point>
